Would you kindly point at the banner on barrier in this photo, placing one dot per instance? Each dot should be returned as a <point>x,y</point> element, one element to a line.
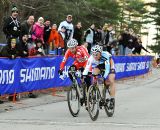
<point>127,66</point>
<point>28,74</point>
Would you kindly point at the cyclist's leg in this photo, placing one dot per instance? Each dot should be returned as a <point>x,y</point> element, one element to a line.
<point>111,82</point>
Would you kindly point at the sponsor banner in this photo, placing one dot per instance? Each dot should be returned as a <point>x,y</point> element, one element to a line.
<point>28,74</point>
<point>127,66</point>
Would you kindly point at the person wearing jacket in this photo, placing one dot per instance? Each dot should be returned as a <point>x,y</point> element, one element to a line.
<point>38,30</point>
<point>11,50</point>
<point>78,33</point>
<point>24,45</point>
<point>54,38</point>
<point>12,25</point>
<point>26,28</point>
<point>90,37</point>
<point>38,50</point>
<point>61,40</point>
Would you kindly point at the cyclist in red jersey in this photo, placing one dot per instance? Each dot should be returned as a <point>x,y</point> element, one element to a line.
<point>79,53</point>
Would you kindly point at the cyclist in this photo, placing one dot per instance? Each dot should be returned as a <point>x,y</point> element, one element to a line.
<point>101,61</point>
<point>80,55</point>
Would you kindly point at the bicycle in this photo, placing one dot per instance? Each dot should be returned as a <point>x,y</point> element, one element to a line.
<point>96,100</point>
<point>76,96</point>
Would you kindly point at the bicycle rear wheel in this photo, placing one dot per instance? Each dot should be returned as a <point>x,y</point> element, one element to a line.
<point>108,111</point>
<point>93,102</point>
<point>73,101</point>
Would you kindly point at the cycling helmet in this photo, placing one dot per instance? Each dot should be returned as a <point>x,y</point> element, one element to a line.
<point>96,48</point>
<point>72,43</point>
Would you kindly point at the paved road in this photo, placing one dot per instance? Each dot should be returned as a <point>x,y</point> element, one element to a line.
<point>137,108</point>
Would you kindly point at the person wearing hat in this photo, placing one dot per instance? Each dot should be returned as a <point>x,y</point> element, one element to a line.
<point>12,49</point>
<point>69,28</point>
<point>38,30</point>
<point>12,25</point>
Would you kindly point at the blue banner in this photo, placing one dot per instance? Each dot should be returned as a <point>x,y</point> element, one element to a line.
<point>28,74</point>
<point>127,66</point>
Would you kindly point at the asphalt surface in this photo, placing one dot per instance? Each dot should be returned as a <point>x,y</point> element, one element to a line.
<point>137,108</point>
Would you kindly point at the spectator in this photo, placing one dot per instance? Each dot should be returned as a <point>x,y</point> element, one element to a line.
<point>138,46</point>
<point>78,33</point>
<point>108,39</point>
<point>123,41</point>
<point>90,37</point>
<point>131,42</point>
<point>158,61</point>
<point>69,29</point>
<point>26,28</point>
<point>47,31</point>
<point>38,50</point>
<point>53,39</point>
<point>12,26</point>
<point>12,50</point>
<point>61,40</point>
<point>24,45</point>
<point>38,30</point>
<point>98,36</point>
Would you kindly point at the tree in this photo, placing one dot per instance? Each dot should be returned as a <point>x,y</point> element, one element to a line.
<point>156,18</point>
<point>133,14</point>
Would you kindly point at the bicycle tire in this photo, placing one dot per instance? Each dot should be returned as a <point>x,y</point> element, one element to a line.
<point>106,107</point>
<point>73,95</point>
<point>92,98</point>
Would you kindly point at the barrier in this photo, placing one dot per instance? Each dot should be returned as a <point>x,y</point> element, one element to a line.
<point>31,74</point>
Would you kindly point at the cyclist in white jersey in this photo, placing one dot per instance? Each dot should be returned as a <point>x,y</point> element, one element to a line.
<point>100,62</point>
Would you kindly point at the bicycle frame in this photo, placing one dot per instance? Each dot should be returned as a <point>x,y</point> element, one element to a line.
<point>96,83</point>
<point>75,83</point>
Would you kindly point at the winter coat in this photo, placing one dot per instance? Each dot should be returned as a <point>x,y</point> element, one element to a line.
<point>54,38</point>
<point>37,32</point>
<point>11,27</point>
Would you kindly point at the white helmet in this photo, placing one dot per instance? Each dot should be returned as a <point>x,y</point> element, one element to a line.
<point>96,48</point>
<point>72,43</point>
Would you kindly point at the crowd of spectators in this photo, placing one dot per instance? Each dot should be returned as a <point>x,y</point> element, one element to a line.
<point>40,38</point>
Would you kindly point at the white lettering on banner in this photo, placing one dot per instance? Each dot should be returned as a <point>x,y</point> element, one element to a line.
<point>141,65</point>
<point>131,66</point>
<point>65,73</point>
<point>35,74</point>
<point>120,67</point>
<point>6,76</point>
<point>136,66</point>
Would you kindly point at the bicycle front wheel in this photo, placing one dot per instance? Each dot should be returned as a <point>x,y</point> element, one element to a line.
<point>73,101</point>
<point>93,102</point>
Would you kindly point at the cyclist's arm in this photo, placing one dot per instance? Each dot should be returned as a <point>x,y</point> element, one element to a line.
<point>88,65</point>
<point>64,60</point>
